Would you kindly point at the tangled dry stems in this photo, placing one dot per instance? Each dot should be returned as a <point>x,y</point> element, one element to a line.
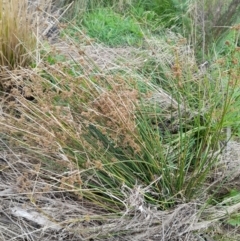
<point>36,207</point>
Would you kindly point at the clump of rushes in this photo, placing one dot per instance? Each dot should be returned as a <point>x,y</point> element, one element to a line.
<point>17,41</point>
<point>127,141</point>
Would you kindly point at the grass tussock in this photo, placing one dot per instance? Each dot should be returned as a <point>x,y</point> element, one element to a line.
<point>18,42</point>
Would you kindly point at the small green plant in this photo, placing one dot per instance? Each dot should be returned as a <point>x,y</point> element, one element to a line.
<point>232,198</point>
<point>79,7</point>
<point>111,28</point>
<point>53,59</point>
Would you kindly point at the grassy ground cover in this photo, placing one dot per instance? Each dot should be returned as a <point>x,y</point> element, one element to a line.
<point>132,149</point>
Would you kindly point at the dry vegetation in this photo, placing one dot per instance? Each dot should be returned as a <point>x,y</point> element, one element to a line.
<point>95,150</point>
